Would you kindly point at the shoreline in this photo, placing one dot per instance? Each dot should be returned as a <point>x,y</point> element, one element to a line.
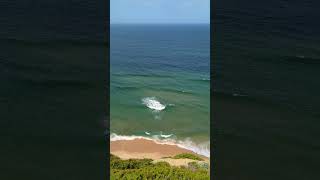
<point>141,148</point>
<point>202,149</point>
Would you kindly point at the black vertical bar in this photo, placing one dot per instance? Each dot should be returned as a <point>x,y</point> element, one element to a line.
<point>54,89</point>
<point>107,131</point>
<point>213,157</point>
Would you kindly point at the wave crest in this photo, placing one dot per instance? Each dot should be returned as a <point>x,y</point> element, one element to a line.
<point>153,103</point>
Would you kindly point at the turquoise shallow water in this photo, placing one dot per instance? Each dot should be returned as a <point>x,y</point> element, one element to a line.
<point>160,82</point>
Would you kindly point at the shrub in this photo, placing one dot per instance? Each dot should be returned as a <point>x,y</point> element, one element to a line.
<point>187,156</point>
<point>144,169</point>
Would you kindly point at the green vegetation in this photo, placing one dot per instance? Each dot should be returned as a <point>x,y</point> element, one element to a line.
<point>145,169</point>
<point>187,156</point>
<point>196,166</point>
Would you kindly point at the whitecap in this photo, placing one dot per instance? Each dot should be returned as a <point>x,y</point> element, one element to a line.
<point>165,136</point>
<point>153,103</point>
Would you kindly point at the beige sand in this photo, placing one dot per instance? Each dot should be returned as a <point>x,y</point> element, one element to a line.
<point>142,148</point>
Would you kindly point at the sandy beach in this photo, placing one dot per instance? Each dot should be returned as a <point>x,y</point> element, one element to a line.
<point>143,148</point>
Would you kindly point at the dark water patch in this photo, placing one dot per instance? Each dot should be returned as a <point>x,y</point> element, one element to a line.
<point>53,43</point>
<point>302,60</point>
<point>264,100</point>
<point>54,83</point>
<point>266,50</point>
<point>26,67</point>
<point>53,72</point>
<point>262,132</point>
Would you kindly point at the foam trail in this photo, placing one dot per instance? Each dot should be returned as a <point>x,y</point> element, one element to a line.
<point>165,136</point>
<point>202,149</point>
<point>153,103</point>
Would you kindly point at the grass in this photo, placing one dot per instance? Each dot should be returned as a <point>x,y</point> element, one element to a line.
<point>133,169</point>
<point>187,156</point>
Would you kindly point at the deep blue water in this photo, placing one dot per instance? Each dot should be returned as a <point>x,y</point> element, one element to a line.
<point>157,48</point>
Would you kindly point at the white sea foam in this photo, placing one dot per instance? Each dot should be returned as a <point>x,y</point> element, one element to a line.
<point>165,136</point>
<point>202,149</point>
<point>153,103</point>
<point>147,133</point>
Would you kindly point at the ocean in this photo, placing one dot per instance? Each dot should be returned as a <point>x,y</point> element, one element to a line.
<point>160,83</point>
<point>266,69</point>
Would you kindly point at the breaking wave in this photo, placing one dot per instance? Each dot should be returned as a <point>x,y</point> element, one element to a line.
<point>153,103</point>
